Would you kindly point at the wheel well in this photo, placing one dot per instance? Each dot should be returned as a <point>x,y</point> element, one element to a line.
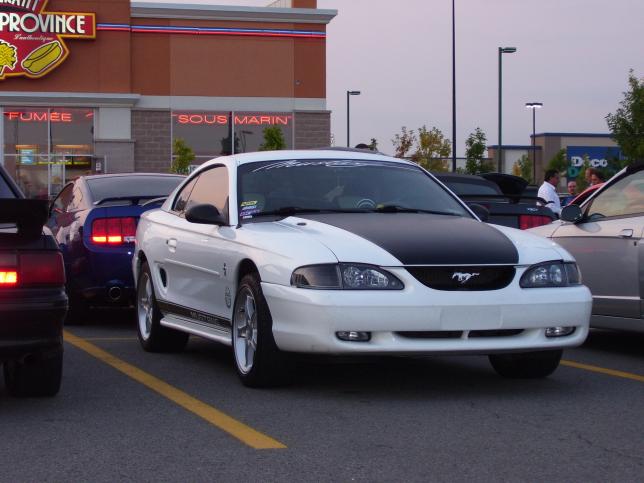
<point>245,267</point>
<point>141,258</point>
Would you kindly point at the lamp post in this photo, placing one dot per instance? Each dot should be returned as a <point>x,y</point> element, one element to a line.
<point>453,86</point>
<point>534,106</point>
<point>349,94</point>
<point>502,50</point>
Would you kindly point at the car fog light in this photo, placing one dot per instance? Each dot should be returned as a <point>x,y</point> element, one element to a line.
<point>559,331</point>
<point>352,336</point>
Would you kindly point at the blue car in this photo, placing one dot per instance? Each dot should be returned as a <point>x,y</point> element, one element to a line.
<point>94,220</point>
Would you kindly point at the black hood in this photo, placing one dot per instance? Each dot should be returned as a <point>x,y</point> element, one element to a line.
<point>425,239</point>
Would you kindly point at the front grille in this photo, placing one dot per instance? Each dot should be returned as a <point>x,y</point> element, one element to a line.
<point>457,334</point>
<point>431,334</point>
<point>495,333</point>
<point>464,278</point>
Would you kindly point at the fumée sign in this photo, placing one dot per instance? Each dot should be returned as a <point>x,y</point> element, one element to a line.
<point>31,39</point>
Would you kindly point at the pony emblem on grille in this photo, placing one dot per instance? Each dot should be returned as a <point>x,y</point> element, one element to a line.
<point>463,277</point>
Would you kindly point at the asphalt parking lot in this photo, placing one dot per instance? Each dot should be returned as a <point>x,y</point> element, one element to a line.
<point>126,415</point>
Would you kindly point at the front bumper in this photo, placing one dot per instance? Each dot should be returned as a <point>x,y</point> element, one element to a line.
<point>307,320</point>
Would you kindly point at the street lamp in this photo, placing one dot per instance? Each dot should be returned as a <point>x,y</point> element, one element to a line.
<point>534,106</point>
<point>453,86</point>
<point>349,94</point>
<point>502,50</point>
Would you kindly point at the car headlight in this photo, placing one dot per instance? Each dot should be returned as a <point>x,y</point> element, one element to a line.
<point>551,274</point>
<point>345,276</point>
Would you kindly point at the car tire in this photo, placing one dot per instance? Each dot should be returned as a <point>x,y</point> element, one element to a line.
<point>152,335</point>
<point>526,365</point>
<point>258,360</point>
<point>37,376</point>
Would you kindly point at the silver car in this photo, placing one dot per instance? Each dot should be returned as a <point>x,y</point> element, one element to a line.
<point>605,236</point>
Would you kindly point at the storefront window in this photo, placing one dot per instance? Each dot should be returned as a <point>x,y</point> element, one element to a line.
<point>209,134</point>
<point>250,126</point>
<point>45,147</point>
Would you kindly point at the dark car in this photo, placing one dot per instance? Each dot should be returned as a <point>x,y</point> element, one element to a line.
<point>32,296</point>
<point>94,220</point>
<point>502,195</point>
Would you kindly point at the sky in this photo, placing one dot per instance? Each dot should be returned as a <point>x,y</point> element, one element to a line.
<point>573,56</point>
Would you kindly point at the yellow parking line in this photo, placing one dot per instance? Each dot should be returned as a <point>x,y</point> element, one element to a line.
<point>235,428</point>
<point>602,370</point>
<point>110,339</point>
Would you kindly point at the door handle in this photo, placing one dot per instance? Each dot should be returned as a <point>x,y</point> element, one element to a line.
<point>172,244</point>
<point>626,233</point>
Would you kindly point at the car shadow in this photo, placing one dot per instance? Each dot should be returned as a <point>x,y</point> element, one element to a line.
<point>379,377</point>
<point>618,342</point>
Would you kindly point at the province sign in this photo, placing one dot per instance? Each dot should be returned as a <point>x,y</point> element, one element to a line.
<point>31,39</point>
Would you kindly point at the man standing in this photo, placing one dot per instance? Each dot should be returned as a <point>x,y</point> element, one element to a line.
<point>548,191</point>
<point>572,192</point>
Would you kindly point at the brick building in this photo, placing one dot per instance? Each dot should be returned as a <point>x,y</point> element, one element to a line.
<point>110,88</point>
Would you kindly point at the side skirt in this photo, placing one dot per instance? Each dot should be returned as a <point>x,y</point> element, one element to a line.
<point>197,323</point>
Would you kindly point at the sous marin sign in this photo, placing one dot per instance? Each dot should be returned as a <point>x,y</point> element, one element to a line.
<point>31,39</point>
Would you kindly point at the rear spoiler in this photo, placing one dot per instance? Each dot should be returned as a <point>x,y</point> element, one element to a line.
<point>29,216</point>
<point>131,200</point>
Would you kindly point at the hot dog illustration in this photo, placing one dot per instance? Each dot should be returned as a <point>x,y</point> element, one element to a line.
<point>45,56</point>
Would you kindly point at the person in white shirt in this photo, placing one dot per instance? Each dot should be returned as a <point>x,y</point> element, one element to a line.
<point>548,191</point>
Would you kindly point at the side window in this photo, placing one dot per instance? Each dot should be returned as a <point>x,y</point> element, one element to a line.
<point>62,202</point>
<point>76,202</point>
<point>211,188</point>
<point>626,197</point>
<point>182,199</point>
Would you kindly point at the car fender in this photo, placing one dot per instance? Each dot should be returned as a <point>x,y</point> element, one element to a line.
<point>533,248</point>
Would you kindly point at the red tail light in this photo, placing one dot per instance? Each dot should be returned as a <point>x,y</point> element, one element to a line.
<point>8,278</point>
<point>33,269</point>
<point>113,231</point>
<point>532,221</point>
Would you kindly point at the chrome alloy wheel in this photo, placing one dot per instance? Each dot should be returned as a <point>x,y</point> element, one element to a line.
<point>145,306</point>
<point>245,330</point>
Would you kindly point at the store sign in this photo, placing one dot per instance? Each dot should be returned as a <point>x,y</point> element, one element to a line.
<point>240,120</point>
<point>31,40</point>
<point>600,157</point>
<point>42,116</point>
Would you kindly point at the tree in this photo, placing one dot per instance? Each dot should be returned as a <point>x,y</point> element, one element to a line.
<point>432,149</point>
<point>403,142</point>
<point>627,123</point>
<point>183,157</point>
<point>559,162</point>
<point>273,139</point>
<point>523,168</point>
<point>475,145</point>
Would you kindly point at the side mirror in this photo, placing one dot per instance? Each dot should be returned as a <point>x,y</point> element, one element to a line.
<point>481,211</point>
<point>572,214</point>
<point>205,214</point>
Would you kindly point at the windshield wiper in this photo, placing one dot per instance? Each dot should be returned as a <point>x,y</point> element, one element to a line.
<point>294,210</point>
<point>286,211</point>
<point>403,209</point>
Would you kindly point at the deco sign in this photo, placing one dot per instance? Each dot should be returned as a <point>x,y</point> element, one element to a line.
<point>31,40</point>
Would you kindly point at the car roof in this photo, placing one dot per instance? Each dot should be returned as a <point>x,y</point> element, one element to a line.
<point>472,178</point>
<point>129,175</point>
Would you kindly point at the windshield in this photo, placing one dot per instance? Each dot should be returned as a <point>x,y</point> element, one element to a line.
<point>124,186</point>
<point>339,185</point>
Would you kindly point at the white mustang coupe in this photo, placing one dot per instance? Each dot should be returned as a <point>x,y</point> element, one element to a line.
<point>346,252</point>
